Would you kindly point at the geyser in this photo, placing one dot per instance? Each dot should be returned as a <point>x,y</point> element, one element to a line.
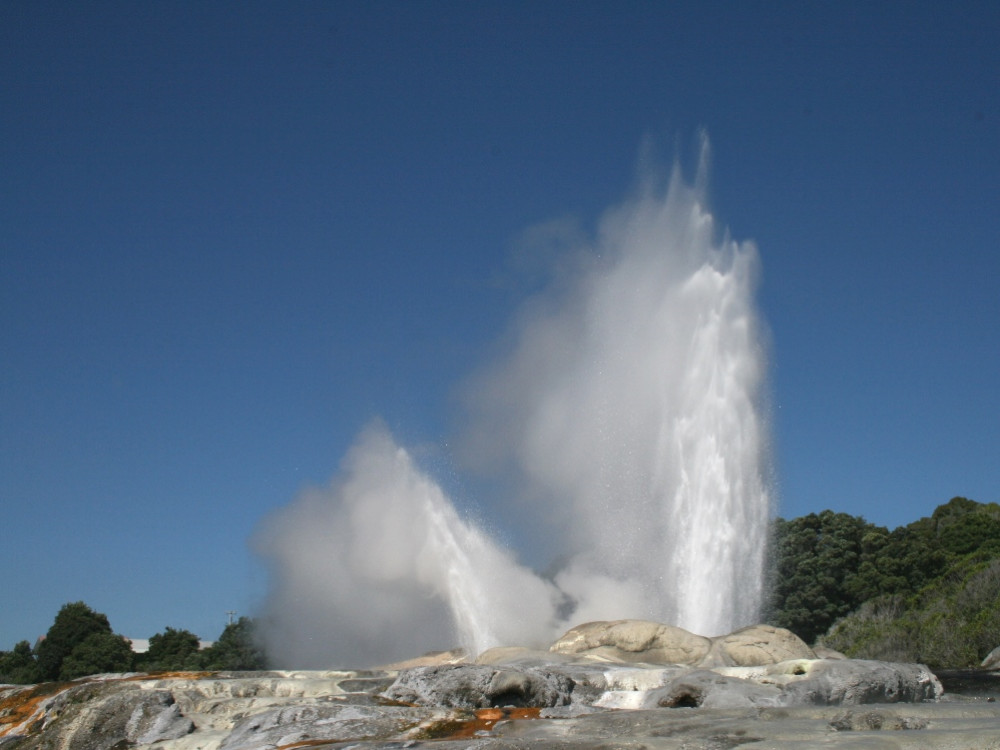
<point>629,405</point>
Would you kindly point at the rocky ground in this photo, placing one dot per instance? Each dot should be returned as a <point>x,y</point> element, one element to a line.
<point>604,685</point>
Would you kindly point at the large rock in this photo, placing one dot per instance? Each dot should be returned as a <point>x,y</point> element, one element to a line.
<point>696,688</point>
<point>633,641</point>
<point>481,686</point>
<point>756,645</point>
<point>852,682</point>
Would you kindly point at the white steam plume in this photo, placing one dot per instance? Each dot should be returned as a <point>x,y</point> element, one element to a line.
<point>629,406</point>
<point>379,567</point>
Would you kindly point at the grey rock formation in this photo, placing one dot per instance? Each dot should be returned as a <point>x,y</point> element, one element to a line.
<point>702,688</point>
<point>481,686</point>
<point>124,713</point>
<point>851,682</point>
<point>591,705</point>
<point>335,722</point>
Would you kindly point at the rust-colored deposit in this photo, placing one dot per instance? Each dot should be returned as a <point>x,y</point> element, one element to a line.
<point>487,718</point>
<point>19,705</point>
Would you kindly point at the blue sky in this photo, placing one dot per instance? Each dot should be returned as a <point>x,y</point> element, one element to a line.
<point>231,234</point>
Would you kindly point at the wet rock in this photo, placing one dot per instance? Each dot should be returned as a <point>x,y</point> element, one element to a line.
<point>481,686</point>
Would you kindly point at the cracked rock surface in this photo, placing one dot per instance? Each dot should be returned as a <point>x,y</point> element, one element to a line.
<point>607,686</point>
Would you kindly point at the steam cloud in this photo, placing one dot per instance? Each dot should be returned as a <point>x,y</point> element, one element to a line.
<point>629,407</point>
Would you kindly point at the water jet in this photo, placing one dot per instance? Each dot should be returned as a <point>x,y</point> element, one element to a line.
<point>629,405</point>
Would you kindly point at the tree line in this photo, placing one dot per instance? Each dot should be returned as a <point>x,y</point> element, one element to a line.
<point>80,642</point>
<point>926,592</point>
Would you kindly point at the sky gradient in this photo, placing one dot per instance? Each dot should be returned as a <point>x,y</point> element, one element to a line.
<point>231,235</point>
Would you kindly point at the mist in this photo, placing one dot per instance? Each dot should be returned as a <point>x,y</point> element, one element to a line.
<point>625,413</point>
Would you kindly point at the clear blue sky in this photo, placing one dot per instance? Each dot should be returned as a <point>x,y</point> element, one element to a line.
<point>233,233</point>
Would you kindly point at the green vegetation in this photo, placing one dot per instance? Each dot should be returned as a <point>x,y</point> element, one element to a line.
<point>170,650</point>
<point>238,648</point>
<point>927,592</point>
<point>80,642</point>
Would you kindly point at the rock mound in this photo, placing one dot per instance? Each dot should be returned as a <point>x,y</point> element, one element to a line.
<point>633,641</point>
<point>646,642</point>
<point>759,644</point>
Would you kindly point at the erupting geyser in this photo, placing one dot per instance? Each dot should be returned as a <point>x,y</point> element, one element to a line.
<point>630,406</point>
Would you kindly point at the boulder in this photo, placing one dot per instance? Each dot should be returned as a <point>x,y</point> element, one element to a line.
<point>633,641</point>
<point>481,686</point>
<point>757,645</point>
<point>852,681</point>
<point>992,660</point>
<point>822,652</point>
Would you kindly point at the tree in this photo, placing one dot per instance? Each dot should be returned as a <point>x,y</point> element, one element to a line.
<point>18,666</point>
<point>74,623</point>
<point>171,649</point>
<point>98,653</point>
<point>824,568</point>
<point>237,648</point>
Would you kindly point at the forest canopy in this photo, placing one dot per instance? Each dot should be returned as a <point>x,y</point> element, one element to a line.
<point>927,592</point>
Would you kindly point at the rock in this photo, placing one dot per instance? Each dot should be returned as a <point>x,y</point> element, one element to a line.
<point>822,652</point>
<point>481,686</point>
<point>853,681</point>
<point>103,715</point>
<point>992,660</point>
<point>519,655</point>
<point>310,724</point>
<point>757,645</point>
<point>697,688</point>
<point>432,659</point>
<point>672,707</point>
<point>931,726</point>
<point>705,689</point>
<point>633,641</point>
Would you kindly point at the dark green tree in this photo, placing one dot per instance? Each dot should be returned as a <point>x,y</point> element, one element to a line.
<point>824,567</point>
<point>963,526</point>
<point>97,653</point>
<point>171,649</point>
<point>74,623</point>
<point>18,666</point>
<point>238,648</point>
